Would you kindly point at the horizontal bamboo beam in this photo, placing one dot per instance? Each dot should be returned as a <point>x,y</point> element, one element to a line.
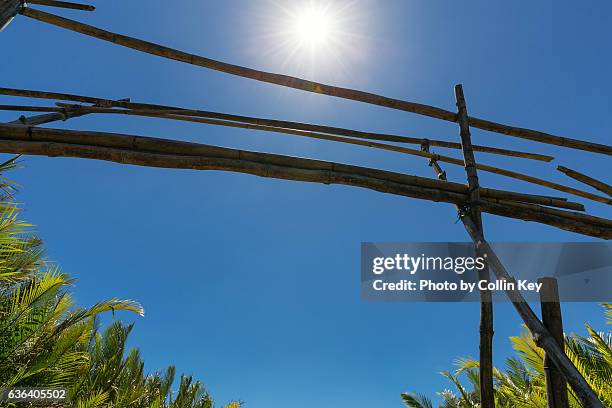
<point>8,10</point>
<point>63,4</point>
<point>399,149</point>
<point>165,153</point>
<point>599,185</point>
<point>42,119</point>
<point>56,115</point>
<point>269,122</point>
<point>309,86</point>
<point>165,114</point>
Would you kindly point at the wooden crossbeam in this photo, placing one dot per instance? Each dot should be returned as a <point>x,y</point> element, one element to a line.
<point>415,152</point>
<point>63,4</point>
<point>269,122</point>
<point>167,114</point>
<point>153,152</point>
<point>598,185</point>
<point>56,115</point>
<point>306,85</point>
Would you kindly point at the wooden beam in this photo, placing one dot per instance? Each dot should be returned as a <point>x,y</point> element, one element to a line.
<point>62,114</point>
<point>487,395</point>
<point>405,150</point>
<point>164,114</point>
<point>153,152</point>
<point>63,4</point>
<point>541,335</point>
<point>8,10</point>
<point>556,386</point>
<point>306,85</point>
<point>271,122</point>
<point>596,184</point>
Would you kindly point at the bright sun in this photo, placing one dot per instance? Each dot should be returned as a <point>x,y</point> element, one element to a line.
<point>313,26</point>
<point>310,37</point>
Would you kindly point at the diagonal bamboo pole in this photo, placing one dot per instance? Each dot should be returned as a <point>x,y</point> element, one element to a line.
<point>540,334</point>
<point>145,151</point>
<point>305,85</point>
<point>599,185</point>
<point>272,122</point>
<point>487,397</point>
<point>8,10</point>
<point>556,386</point>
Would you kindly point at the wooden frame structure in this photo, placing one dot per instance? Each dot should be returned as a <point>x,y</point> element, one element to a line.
<point>23,136</point>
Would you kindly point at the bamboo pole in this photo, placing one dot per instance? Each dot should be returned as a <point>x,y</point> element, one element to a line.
<point>188,148</point>
<point>399,149</point>
<point>496,170</point>
<point>539,332</point>
<point>599,185</point>
<point>300,129</point>
<point>8,10</point>
<point>556,386</point>
<point>62,114</point>
<point>487,396</point>
<point>165,153</point>
<point>541,182</point>
<point>553,211</point>
<point>541,335</point>
<point>305,85</point>
<point>63,4</point>
<point>272,122</point>
<point>130,156</point>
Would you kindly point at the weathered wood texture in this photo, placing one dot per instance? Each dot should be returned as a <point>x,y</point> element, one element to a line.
<point>47,118</point>
<point>63,4</point>
<point>166,153</point>
<point>309,86</point>
<point>62,114</point>
<point>271,122</point>
<point>399,149</point>
<point>556,386</point>
<point>541,335</point>
<point>165,114</point>
<point>487,396</point>
<point>596,184</point>
<point>8,10</point>
<point>538,330</point>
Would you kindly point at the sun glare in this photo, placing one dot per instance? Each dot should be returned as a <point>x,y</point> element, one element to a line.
<point>310,37</point>
<point>313,26</point>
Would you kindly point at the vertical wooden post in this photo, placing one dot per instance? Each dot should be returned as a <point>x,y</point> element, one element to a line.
<point>556,386</point>
<point>487,397</point>
<point>8,10</point>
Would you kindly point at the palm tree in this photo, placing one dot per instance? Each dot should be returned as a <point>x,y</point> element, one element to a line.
<point>120,380</point>
<point>522,383</point>
<point>47,341</point>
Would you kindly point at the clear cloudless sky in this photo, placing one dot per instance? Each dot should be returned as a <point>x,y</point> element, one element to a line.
<point>252,284</point>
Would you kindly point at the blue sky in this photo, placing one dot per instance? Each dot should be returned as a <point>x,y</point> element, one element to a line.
<point>251,284</point>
